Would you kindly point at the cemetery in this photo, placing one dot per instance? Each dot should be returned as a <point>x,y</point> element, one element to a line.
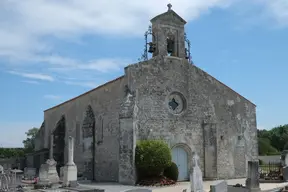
<point>48,178</point>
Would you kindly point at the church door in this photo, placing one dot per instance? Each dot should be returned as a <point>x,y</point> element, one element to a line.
<point>180,158</point>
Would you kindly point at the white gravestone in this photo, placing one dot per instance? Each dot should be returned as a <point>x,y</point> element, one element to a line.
<point>70,169</point>
<point>196,180</point>
<point>286,159</point>
<point>29,173</point>
<point>48,172</point>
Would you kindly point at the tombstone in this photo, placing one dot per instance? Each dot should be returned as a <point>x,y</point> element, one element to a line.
<point>196,179</point>
<point>219,186</point>
<point>48,173</point>
<point>286,160</point>
<point>252,181</point>
<point>29,173</point>
<point>1,169</point>
<point>285,173</point>
<point>70,169</point>
<point>61,174</point>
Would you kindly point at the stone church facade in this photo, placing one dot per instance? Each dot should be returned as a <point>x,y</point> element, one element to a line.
<point>165,97</point>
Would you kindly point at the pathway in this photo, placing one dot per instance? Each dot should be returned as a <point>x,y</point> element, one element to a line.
<point>114,187</point>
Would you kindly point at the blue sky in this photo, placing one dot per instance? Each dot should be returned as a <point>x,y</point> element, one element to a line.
<point>51,51</point>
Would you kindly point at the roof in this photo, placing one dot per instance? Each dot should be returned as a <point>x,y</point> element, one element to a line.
<point>225,85</point>
<point>103,85</point>
<point>167,15</point>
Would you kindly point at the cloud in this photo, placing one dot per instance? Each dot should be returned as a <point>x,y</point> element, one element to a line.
<point>30,82</point>
<point>27,27</point>
<point>33,76</point>
<point>53,97</point>
<point>25,24</point>
<point>278,9</point>
<point>83,84</point>
<point>104,65</point>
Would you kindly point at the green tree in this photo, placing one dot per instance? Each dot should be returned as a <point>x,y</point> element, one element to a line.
<point>273,141</point>
<point>29,142</point>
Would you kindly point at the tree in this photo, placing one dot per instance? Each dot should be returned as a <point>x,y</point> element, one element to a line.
<point>271,142</point>
<point>29,143</point>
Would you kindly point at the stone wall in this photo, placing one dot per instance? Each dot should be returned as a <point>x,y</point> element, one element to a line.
<point>39,144</point>
<point>105,102</point>
<point>207,102</point>
<point>10,163</point>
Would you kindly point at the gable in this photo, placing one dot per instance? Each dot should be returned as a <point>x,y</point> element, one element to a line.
<point>170,16</point>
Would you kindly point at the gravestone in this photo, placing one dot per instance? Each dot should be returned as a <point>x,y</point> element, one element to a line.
<point>285,173</point>
<point>252,181</point>
<point>219,186</point>
<point>70,169</point>
<point>286,160</point>
<point>1,169</point>
<point>61,174</point>
<point>48,173</point>
<point>196,180</point>
<point>29,173</point>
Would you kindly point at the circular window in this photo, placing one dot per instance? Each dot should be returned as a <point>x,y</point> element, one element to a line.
<point>176,103</point>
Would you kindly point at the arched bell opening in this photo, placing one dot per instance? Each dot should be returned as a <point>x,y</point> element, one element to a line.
<point>171,46</point>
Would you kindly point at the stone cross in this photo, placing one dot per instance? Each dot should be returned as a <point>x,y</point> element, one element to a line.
<point>51,146</point>
<point>196,180</point>
<point>71,151</point>
<point>196,159</point>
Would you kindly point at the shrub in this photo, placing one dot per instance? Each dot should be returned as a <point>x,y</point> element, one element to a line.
<point>172,172</point>
<point>260,162</point>
<point>152,157</point>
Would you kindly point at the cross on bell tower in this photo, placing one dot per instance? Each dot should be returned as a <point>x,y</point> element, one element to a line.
<point>168,34</point>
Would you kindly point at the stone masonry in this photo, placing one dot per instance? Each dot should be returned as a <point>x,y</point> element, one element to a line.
<point>171,99</point>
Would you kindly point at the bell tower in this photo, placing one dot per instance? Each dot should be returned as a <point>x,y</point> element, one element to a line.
<point>168,35</point>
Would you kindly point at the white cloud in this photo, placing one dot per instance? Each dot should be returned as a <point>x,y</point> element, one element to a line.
<point>30,82</point>
<point>83,84</point>
<point>33,75</point>
<point>278,9</point>
<point>53,97</point>
<point>25,24</point>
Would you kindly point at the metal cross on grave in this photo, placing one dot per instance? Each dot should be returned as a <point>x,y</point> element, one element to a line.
<point>173,104</point>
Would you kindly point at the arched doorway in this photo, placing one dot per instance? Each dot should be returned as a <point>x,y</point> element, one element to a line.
<point>59,143</point>
<point>180,158</point>
<point>88,133</point>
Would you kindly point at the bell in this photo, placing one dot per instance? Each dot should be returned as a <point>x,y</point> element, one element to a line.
<point>151,47</point>
<point>170,46</point>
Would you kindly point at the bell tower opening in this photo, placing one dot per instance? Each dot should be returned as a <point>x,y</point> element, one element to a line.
<point>167,35</point>
<point>171,46</point>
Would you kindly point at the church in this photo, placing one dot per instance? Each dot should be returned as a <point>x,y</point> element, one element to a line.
<point>163,96</point>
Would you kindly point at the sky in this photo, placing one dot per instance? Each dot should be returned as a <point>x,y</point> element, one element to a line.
<point>51,51</point>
